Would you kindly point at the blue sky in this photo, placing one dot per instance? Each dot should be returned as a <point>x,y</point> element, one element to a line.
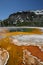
<point>8,7</point>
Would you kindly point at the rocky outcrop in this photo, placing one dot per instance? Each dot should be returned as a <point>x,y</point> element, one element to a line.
<point>25,18</point>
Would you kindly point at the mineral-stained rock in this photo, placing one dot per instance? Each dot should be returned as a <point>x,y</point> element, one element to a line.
<point>4,56</point>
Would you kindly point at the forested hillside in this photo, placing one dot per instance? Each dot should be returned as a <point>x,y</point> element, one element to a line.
<point>24,18</point>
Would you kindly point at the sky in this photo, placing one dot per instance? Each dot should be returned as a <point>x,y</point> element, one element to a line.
<point>8,7</point>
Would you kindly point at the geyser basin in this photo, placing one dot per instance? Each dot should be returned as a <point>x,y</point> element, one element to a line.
<point>32,47</point>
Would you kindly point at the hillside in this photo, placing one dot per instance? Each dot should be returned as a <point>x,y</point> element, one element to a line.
<point>24,18</point>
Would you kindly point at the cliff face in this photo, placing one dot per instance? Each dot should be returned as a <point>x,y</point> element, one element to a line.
<point>25,18</point>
